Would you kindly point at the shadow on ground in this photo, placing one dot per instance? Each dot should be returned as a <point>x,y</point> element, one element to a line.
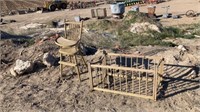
<point>179,79</point>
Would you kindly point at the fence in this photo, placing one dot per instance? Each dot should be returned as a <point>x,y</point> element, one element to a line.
<point>132,75</point>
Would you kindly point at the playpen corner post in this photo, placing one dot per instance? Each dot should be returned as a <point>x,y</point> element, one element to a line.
<point>90,76</point>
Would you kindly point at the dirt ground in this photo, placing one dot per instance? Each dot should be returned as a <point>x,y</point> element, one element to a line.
<point>9,5</point>
<point>177,7</point>
<point>43,91</point>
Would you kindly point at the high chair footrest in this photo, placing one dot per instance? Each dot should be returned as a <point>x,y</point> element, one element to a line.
<point>66,63</point>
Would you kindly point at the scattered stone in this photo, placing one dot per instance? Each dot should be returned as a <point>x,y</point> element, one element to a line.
<point>22,12</point>
<point>197,36</point>
<point>137,52</point>
<point>39,12</point>
<point>188,33</point>
<point>165,16</point>
<point>182,48</point>
<point>49,60</point>
<point>176,17</point>
<point>58,23</point>
<point>45,38</point>
<point>13,12</point>
<point>12,72</point>
<point>22,67</point>
<point>193,74</point>
<point>77,18</point>
<point>143,27</point>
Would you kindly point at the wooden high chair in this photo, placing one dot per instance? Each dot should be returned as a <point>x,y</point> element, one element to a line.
<point>70,46</point>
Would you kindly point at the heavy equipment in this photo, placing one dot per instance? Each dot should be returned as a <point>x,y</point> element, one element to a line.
<point>130,2</point>
<point>52,5</point>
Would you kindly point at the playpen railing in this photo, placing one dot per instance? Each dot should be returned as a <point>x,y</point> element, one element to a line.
<point>128,75</point>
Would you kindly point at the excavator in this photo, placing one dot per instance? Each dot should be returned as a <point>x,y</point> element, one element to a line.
<point>52,5</point>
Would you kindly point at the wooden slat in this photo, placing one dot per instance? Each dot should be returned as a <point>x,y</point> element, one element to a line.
<point>132,55</point>
<point>146,79</point>
<point>124,93</point>
<point>66,63</point>
<point>135,78</point>
<point>122,68</point>
<point>90,76</point>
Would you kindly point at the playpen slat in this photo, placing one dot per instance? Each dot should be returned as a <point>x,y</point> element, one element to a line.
<point>126,81</point>
<point>114,79</point>
<point>120,81</point>
<point>108,80</point>
<point>139,82</point>
<point>146,83</point>
<point>100,73</point>
<point>122,68</point>
<point>91,77</point>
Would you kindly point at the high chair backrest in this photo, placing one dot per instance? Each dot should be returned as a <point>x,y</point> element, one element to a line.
<point>73,30</point>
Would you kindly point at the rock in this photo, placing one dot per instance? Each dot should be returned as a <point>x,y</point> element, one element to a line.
<point>12,72</point>
<point>137,52</point>
<point>143,27</point>
<point>58,23</point>
<point>182,48</point>
<point>170,57</point>
<point>22,67</point>
<point>176,17</point>
<point>193,74</point>
<point>45,38</point>
<point>61,24</point>
<point>165,16</point>
<point>197,36</point>
<point>22,12</point>
<point>48,59</point>
<point>39,12</point>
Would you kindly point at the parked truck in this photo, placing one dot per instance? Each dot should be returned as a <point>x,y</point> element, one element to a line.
<point>52,5</point>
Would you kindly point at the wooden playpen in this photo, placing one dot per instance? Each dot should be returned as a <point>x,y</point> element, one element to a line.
<point>125,74</point>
